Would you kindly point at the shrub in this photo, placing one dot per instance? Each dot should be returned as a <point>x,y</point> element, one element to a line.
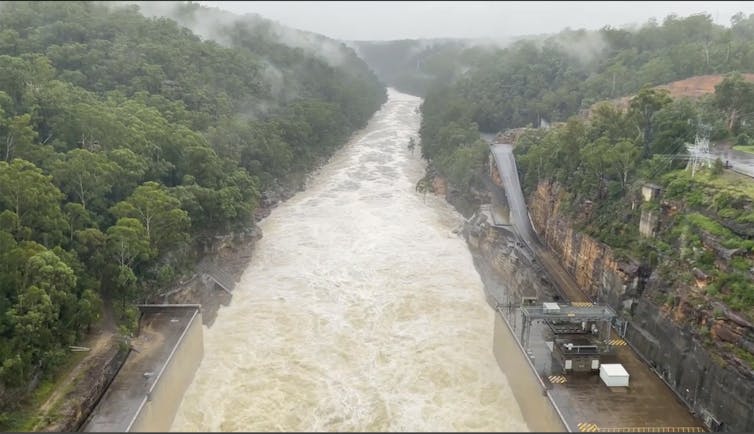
<point>717,167</point>
<point>742,140</point>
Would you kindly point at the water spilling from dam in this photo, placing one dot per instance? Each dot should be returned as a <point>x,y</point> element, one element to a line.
<point>361,309</point>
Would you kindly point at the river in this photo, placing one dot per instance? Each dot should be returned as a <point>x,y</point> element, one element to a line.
<point>361,309</point>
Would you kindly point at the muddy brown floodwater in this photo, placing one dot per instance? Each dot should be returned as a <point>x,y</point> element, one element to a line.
<point>361,309</point>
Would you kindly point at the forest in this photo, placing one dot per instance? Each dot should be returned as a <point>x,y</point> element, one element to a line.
<point>540,81</point>
<point>128,140</point>
<point>125,141</point>
<point>562,94</point>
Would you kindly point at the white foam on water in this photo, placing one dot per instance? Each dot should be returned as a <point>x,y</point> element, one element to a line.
<point>360,309</point>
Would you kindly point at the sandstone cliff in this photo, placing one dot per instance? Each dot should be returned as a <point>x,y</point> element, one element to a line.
<point>700,347</point>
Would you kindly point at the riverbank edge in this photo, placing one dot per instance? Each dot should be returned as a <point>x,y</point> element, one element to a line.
<point>230,254</point>
<point>539,410</point>
<point>235,250</point>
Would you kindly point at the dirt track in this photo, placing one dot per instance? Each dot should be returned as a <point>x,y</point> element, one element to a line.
<point>692,87</point>
<point>66,392</point>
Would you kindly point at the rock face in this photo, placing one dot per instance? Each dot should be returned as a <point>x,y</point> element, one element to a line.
<point>709,377</point>
<point>466,204</point>
<point>719,393</point>
<point>225,257</point>
<point>440,186</point>
<point>507,257</point>
<point>592,263</point>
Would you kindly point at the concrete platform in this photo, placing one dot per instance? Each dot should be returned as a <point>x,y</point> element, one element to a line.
<point>582,399</point>
<point>587,404</point>
<point>161,329</point>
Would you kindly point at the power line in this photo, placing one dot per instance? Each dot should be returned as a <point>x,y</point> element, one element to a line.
<point>700,149</point>
<point>697,154</point>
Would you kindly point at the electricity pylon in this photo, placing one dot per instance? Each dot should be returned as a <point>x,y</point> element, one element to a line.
<point>699,153</point>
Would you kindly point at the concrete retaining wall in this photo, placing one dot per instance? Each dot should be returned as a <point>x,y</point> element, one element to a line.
<point>531,393</point>
<point>158,409</point>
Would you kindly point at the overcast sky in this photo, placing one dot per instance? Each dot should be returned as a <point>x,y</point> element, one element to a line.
<point>386,20</point>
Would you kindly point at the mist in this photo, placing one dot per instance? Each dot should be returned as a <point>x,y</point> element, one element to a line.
<point>585,46</point>
<point>212,23</point>
<point>390,20</point>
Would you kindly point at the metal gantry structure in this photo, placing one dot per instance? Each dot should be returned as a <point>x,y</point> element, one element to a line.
<point>599,314</point>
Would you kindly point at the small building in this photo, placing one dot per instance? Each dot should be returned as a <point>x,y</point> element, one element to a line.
<point>580,332</point>
<point>650,192</point>
<point>550,308</point>
<point>577,354</point>
<point>614,375</point>
<point>649,223</point>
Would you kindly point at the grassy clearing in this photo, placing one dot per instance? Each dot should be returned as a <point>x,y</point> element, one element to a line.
<point>727,181</point>
<point>745,148</point>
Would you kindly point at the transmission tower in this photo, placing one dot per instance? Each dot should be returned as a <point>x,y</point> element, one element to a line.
<point>699,153</point>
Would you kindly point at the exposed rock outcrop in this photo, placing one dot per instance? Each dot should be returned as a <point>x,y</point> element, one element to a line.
<point>508,257</point>
<point>716,389</point>
<point>592,263</point>
<point>709,372</point>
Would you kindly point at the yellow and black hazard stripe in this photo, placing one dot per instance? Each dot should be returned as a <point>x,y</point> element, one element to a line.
<point>587,427</point>
<point>557,379</point>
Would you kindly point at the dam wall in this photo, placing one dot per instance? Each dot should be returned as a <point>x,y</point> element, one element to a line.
<point>148,389</point>
<point>162,400</point>
<point>530,391</point>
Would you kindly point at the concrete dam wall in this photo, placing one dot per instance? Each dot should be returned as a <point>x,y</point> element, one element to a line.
<point>146,392</point>
<point>161,403</point>
<point>531,393</point>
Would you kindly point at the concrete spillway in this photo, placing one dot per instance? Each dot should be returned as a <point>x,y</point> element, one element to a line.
<point>519,215</point>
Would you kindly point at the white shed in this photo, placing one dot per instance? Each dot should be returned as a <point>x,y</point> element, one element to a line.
<point>550,308</point>
<point>614,375</point>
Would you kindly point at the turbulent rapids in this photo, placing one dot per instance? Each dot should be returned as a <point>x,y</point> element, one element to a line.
<point>360,311</point>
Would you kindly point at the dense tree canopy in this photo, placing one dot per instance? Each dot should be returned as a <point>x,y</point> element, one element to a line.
<point>597,155</point>
<point>538,81</point>
<point>125,139</point>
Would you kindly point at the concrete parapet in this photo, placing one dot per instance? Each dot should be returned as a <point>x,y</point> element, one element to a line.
<point>530,391</point>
